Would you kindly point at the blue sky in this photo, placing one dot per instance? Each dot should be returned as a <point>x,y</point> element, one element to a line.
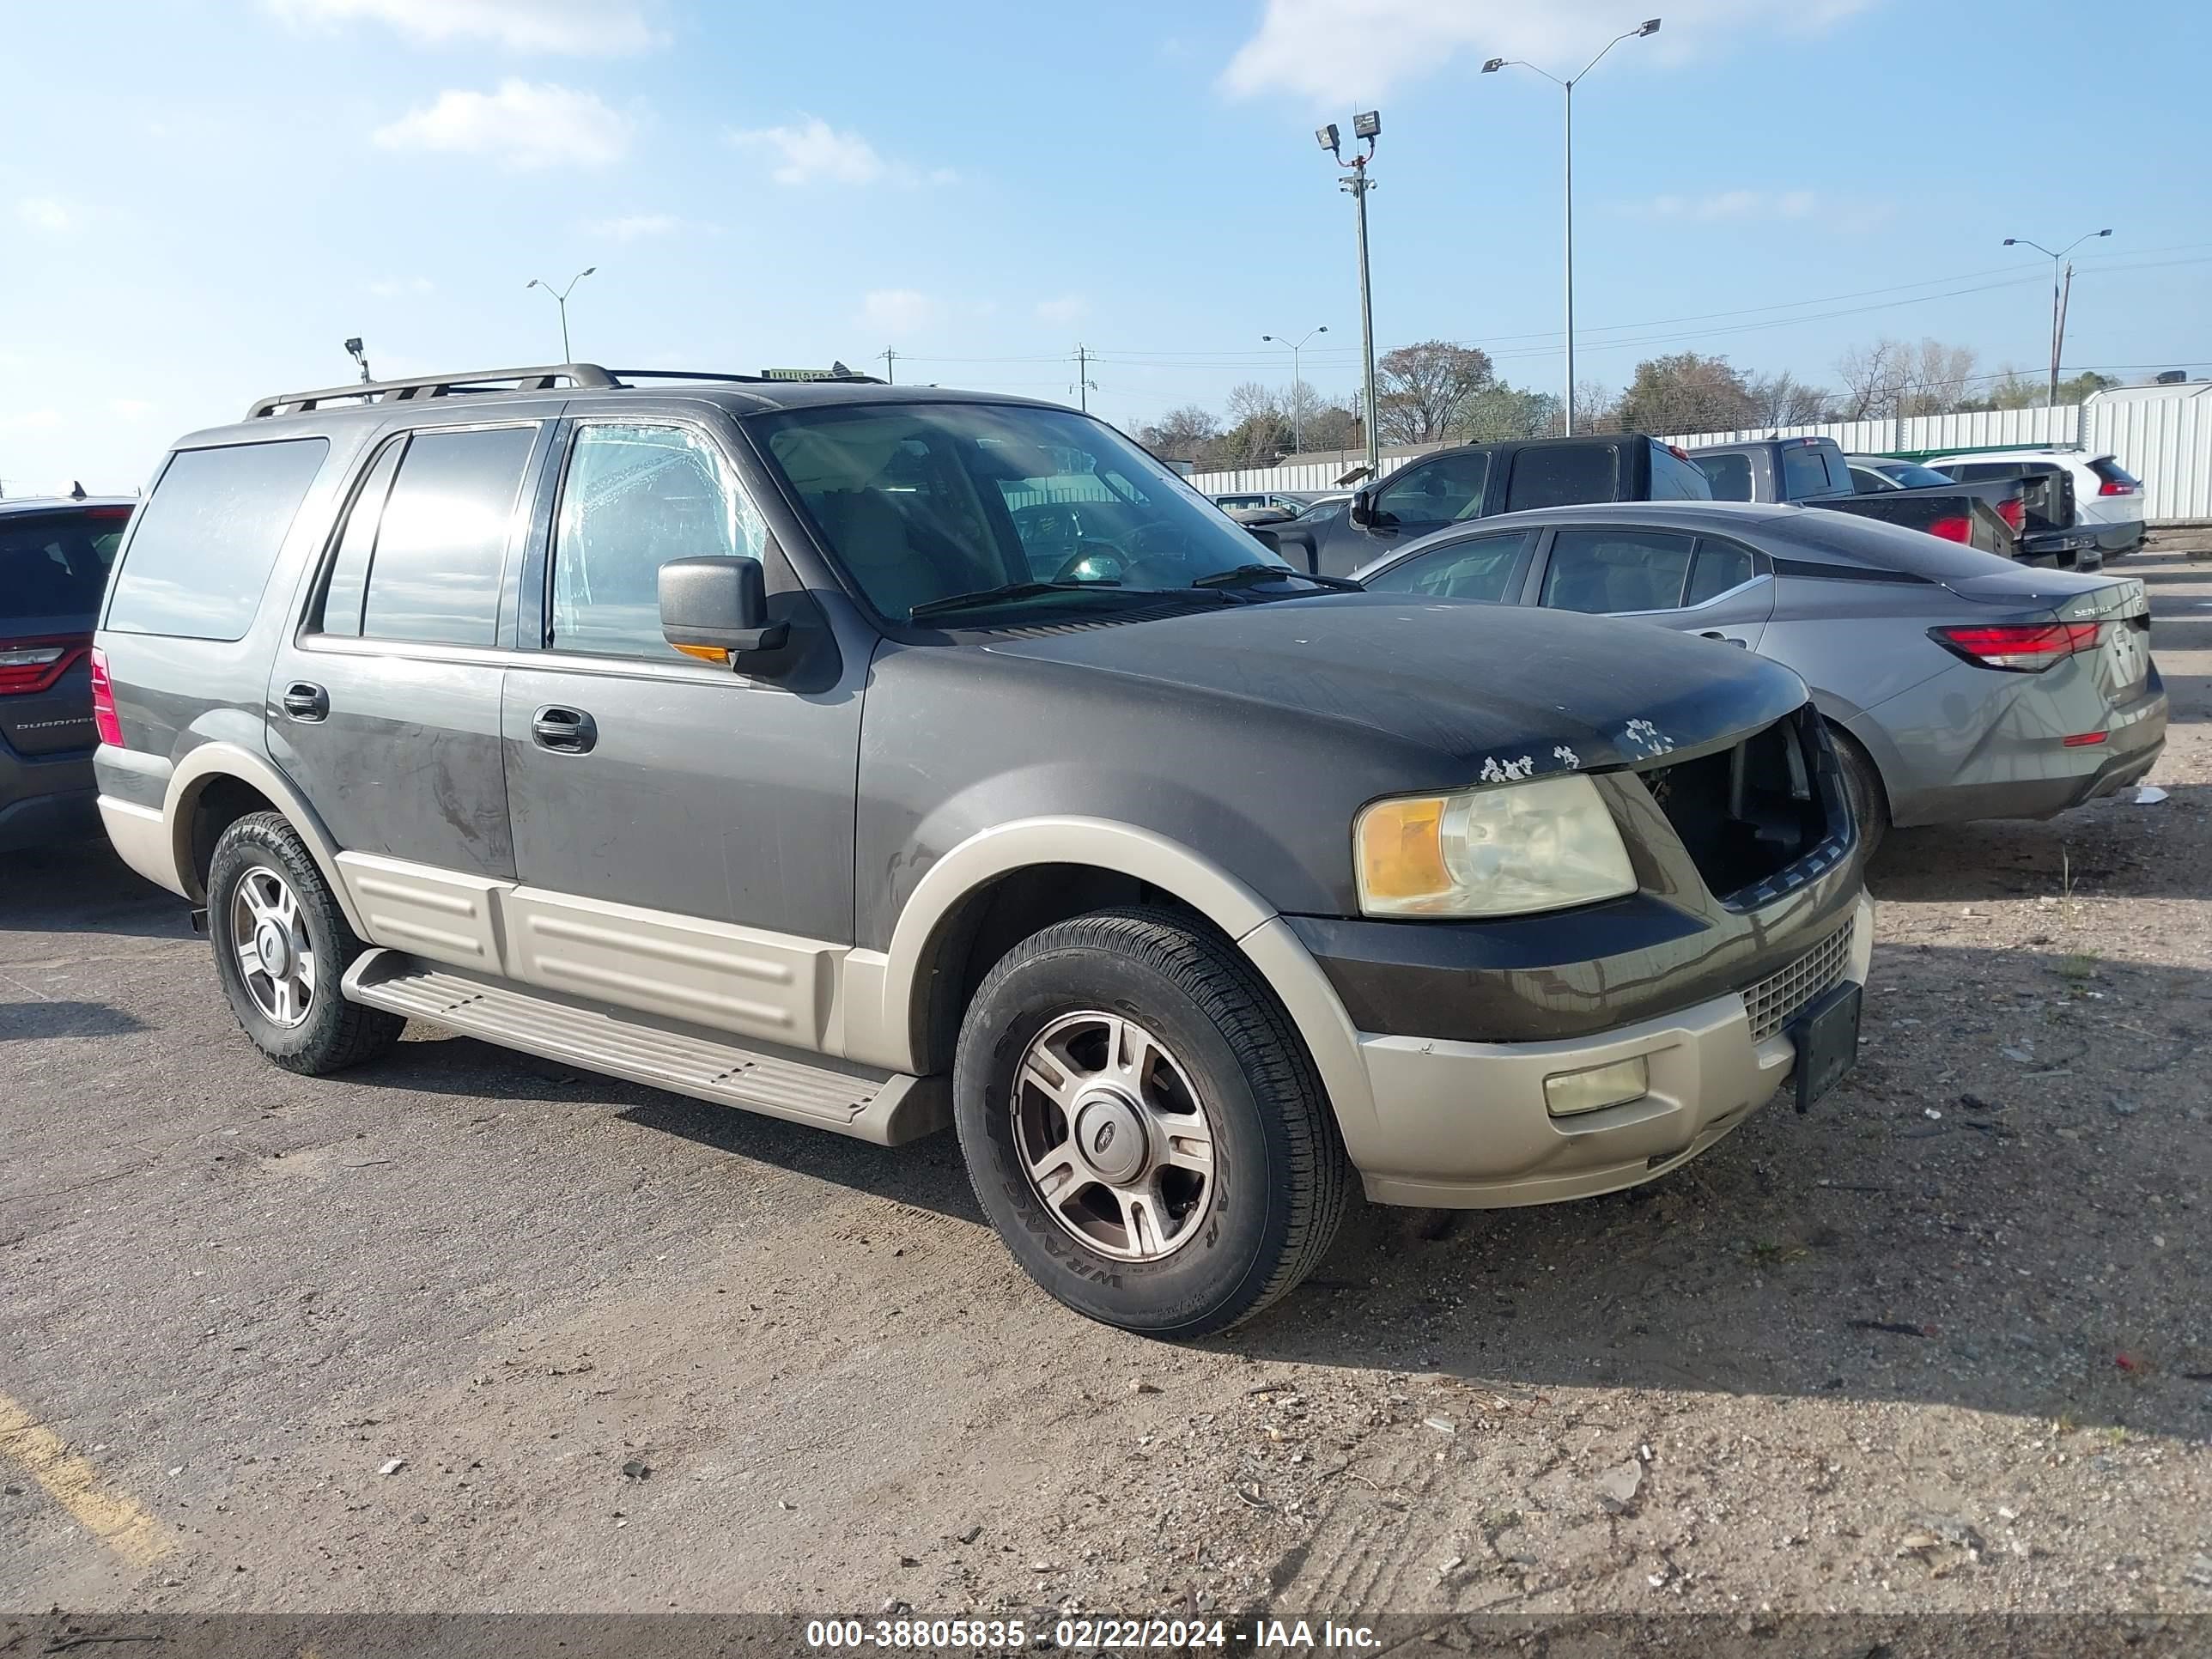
<point>200,199</point>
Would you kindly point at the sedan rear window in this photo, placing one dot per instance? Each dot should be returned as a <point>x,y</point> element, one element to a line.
<point>208,536</point>
<point>53,566</point>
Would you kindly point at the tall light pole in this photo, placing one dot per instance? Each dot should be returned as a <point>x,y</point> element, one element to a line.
<point>2058,294</point>
<point>560,298</point>
<point>1650,26</point>
<point>1298,386</point>
<point>1356,184</point>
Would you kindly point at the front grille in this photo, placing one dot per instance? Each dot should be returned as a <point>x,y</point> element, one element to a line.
<point>1776,997</point>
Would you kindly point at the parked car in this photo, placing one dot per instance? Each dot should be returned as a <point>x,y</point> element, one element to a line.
<point>1477,481</point>
<point>1813,472</point>
<point>726,735</point>
<point>1263,506</point>
<point>1958,685</point>
<point>2049,529</point>
<point>2107,499</point>
<point>54,558</point>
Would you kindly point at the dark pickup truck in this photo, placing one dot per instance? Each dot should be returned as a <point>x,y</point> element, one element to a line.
<point>2051,528</point>
<point>1477,481</point>
<point>2012,517</point>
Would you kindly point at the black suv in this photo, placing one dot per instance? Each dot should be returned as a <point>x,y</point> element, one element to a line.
<point>1478,481</point>
<point>879,756</point>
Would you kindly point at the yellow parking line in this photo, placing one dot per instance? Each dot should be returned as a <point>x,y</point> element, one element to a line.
<point>117,1522</point>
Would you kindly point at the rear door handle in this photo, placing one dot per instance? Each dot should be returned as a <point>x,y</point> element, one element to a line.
<point>304,700</point>
<point>565,731</point>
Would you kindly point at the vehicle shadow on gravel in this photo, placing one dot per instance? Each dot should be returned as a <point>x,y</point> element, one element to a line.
<point>81,887</point>
<point>2112,848</point>
<point>2002,1210</point>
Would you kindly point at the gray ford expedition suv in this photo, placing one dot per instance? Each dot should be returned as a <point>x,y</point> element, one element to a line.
<point>798,747</point>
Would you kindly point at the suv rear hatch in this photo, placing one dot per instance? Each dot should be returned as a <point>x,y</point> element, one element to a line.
<point>53,569</point>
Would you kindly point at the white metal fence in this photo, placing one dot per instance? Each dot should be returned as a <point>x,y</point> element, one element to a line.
<point>2163,435</point>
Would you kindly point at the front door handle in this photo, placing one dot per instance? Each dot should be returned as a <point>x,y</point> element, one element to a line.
<point>564,731</point>
<point>304,700</point>
<point>1716,634</point>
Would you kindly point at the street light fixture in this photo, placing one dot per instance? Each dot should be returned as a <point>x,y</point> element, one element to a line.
<point>2061,292</point>
<point>560,298</point>
<point>1367,124</point>
<point>1298,386</point>
<point>1650,26</point>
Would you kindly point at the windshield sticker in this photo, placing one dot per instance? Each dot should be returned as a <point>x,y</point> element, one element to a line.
<point>1647,737</point>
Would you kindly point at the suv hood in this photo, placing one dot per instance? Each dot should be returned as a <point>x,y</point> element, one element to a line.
<point>1509,692</point>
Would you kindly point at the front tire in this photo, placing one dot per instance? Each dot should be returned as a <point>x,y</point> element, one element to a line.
<point>1143,1126</point>
<point>281,946</point>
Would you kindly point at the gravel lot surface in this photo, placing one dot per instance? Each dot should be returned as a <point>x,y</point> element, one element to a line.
<point>466,1330</point>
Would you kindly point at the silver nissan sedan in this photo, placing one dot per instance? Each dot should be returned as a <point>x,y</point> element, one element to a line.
<point>1959,685</point>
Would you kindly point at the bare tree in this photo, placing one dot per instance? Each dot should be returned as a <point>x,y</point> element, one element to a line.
<point>1894,377</point>
<point>1249,398</point>
<point>1685,391</point>
<point>1936,378</point>
<point>1181,434</point>
<point>1873,376</point>
<point>1421,388</point>
<point>1782,399</point>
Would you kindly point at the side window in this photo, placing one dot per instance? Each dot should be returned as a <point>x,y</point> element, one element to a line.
<point>208,536</point>
<point>433,575</point>
<point>1804,472</point>
<point>340,612</point>
<point>1840,469</point>
<point>1613,570</point>
<point>1564,475</point>
<point>1865,481</point>
<point>1440,491</point>
<point>1729,475</point>
<point>1481,567</point>
<point>1718,567</point>
<point>1674,479</point>
<point>635,497</point>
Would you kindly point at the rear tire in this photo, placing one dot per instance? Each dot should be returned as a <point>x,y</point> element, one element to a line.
<point>282,945</point>
<point>1135,1029</point>
<point>1863,783</point>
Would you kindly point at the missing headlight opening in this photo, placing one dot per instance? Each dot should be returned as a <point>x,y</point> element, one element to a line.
<point>1746,813</point>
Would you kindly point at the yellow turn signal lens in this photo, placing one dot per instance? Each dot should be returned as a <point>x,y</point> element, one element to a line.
<point>1401,851</point>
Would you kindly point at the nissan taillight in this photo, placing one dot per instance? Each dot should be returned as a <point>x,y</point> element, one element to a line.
<point>34,664</point>
<point>1956,528</point>
<point>103,701</point>
<point>2023,648</point>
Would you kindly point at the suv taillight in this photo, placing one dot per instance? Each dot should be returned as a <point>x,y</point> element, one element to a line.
<point>34,664</point>
<point>2114,486</point>
<point>2027,648</point>
<point>103,702</point>
<point>1956,529</point>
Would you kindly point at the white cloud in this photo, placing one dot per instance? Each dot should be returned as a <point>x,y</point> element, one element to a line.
<point>45,214</point>
<point>581,27</point>
<point>1360,48</point>
<point>390,288</point>
<point>814,152</point>
<point>525,124</point>
<point>897,311</point>
<point>1067,308</point>
<point>630,227</point>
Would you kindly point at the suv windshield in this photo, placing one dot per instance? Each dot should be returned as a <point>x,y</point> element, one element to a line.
<point>927,501</point>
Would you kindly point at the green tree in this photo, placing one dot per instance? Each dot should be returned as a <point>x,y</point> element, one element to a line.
<point>1686,392</point>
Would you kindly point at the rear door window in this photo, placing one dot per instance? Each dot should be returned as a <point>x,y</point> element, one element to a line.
<point>53,566</point>
<point>1729,476</point>
<point>1718,567</point>
<point>433,577</point>
<point>1804,472</point>
<point>1605,570</point>
<point>208,536</point>
<point>1564,475</point>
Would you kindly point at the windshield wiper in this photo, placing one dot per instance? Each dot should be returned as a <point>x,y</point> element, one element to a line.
<point>1004,591</point>
<point>1246,575</point>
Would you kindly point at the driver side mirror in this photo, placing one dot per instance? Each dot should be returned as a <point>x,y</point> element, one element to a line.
<point>1362,510</point>
<point>715,609</point>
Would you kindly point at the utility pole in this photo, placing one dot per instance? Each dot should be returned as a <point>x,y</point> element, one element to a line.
<point>1368,125</point>
<point>1297,386</point>
<point>2062,290</point>
<point>1084,385</point>
<point>1650,26</point>
<point>560,298</point>
<point>890,357</point>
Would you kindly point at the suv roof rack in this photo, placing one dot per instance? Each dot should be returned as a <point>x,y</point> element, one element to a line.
<point>546,376</point>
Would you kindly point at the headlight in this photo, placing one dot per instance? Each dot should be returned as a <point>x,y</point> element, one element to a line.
<point>1503,852</point>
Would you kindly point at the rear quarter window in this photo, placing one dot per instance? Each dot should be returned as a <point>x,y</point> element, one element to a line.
<point>1674,479</point>
<point>208,537</point>
<point>1804,472</point>
<point>1728,475</point>
<point>1564,475</point>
